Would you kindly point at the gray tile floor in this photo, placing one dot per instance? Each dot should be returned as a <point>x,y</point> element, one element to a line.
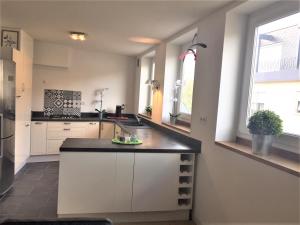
<point>34,194</point>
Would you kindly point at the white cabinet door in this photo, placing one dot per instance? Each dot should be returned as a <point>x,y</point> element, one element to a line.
<point>107,130</point>
<point>123,185</point>
<point>92,130</point>
<point>86,182</point>
<point>95,182</point>
<point>53,146</point>
<point>38,138</point>
<point>155,186</point>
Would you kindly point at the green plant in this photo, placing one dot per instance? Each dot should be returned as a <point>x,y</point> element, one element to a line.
<point>148,109</point>
<point>265,122</point>
<point>174,115</point>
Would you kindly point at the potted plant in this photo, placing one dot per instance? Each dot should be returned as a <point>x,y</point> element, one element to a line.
<point>174,114</point>
<point>263,126</point>
<point>148,110</point>
<point>173,118</point>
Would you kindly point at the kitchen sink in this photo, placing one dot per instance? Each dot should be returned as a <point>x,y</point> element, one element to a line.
<point>134,124</point>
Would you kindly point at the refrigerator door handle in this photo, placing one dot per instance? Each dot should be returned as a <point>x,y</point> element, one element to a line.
<point>1,149</point>
<point>7,137</point>
<point>1,125</point>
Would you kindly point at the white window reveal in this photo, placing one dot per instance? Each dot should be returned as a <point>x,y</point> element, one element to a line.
<point>187,80</point>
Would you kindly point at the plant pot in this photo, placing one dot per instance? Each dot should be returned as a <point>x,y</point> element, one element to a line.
<point>173,120</point>
<point>149,114</point>
<point>261,144</point>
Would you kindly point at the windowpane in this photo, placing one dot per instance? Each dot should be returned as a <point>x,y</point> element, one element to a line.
<point>276,79</point>
<point>186,95</point>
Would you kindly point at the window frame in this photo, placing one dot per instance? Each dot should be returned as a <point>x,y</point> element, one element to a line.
<point>286,141</point>
<point>184,116</point>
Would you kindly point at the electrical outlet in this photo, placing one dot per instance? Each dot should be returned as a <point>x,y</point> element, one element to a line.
<point>203,118</point>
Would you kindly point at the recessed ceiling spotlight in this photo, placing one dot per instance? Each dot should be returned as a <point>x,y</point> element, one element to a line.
<point>80,36</point>
<point>144,40</point>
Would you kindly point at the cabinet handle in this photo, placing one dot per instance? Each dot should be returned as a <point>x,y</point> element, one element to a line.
<point>67,123</point>
<point>27,125</point>
<point>92,123</point>
<point>38,123</point>
<point>66,129</point>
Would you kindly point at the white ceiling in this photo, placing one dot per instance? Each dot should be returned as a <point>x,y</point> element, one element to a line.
<point>109,24</point>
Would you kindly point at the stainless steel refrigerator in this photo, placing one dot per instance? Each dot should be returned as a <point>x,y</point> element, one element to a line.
<point>7,119</point>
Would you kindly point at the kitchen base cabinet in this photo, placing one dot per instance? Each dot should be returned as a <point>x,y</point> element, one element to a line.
<point>95,182</point>
<point>53,146</point>
<point>101,182</point>
<point>38,138</point>
<point>155,186</point>
<point>92,130</point>
<point>107,130</point>
<point>123,185</point>
<point>47,137</point>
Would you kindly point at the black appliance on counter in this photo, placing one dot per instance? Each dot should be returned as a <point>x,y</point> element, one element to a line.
<point>119,109</point>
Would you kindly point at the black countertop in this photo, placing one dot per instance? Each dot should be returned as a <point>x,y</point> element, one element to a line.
<point>154,141</point>
<point>156,138</point>
<point>85,117</point>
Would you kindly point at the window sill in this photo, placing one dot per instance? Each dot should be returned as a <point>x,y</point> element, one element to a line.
<point>178,127</point>
<point>144,115</point>
<point>275,160</point>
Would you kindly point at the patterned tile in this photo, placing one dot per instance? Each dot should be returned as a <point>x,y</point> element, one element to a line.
<point>62,102</point>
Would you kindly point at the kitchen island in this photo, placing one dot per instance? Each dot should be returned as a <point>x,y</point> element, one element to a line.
<point>152,181</point>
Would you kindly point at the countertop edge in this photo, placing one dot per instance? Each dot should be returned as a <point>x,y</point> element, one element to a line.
<point>122,150</point>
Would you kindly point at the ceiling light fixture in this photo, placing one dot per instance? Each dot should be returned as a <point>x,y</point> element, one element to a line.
<point>78,36</point>
<point>144,40</point>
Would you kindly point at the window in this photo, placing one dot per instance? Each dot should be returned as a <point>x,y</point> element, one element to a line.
<point>275,71</point>
<point>187,79</point>
<point>146,73</point>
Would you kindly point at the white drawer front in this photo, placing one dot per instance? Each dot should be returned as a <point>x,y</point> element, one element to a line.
<point>56,133</point>
<point>74,132</point>
<point>66,124</point>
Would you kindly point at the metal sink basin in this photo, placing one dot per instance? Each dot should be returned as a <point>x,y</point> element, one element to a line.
<point>132,123</point>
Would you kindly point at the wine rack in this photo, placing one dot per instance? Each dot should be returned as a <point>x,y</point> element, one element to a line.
<point>186,178</point>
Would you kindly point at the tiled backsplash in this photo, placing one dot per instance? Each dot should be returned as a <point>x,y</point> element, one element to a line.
<point>62,102</point>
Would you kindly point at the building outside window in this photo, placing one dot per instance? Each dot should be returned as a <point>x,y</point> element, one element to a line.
<point>275,71</point>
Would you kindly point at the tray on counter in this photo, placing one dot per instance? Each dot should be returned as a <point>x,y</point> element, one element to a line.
<point>117,141</point>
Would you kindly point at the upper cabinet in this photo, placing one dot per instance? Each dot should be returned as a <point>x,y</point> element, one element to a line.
<point>48,54</point>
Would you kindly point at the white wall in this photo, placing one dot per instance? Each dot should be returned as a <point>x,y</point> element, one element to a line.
<point>23,103</point>
<point>230,188</point>
<point>89,71</point>
<point>171,75</point>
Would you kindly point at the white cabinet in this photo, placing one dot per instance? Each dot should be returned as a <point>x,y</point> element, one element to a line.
<point>95,182</point>
<point>99,182</point>
<point>53,146</point>
<point>155,186</point>
<point>47,137</point>
<point>107,130</point>
<point>123,183</point>
<point>57,132</point>
<point>38,138</point>
<point>92,130</point>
